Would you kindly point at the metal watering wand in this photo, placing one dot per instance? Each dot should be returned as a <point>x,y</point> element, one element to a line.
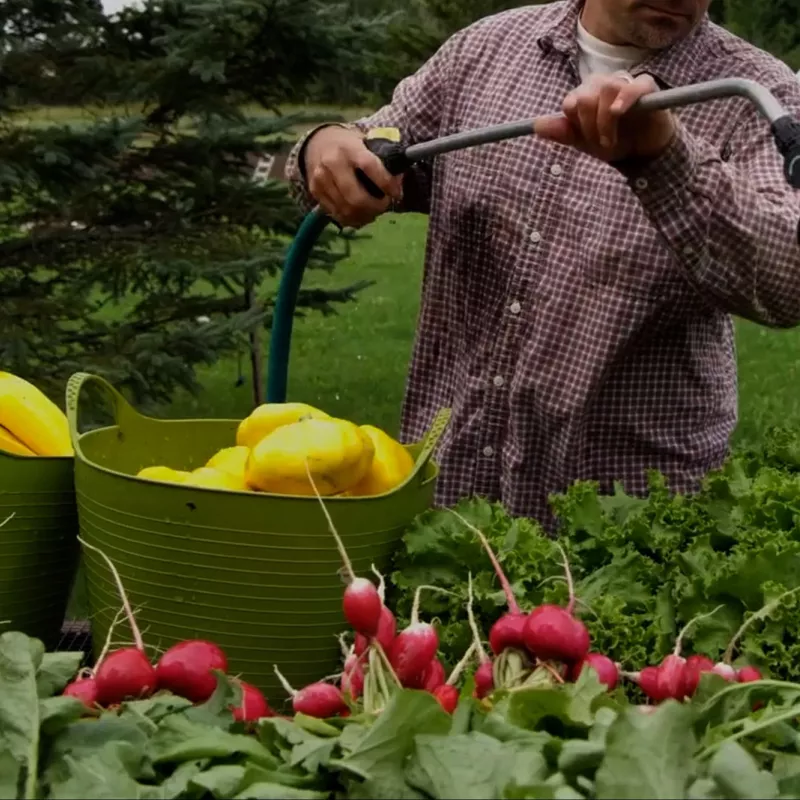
<point>397,159</point>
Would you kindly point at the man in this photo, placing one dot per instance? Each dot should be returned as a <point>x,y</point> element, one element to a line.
<point>578,284</point>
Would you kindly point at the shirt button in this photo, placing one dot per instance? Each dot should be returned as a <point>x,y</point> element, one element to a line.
<point>556,170</point>
<point>515,307</point>
<point>499,380</point>
<point>536,237</point>
<point>641,183</point>
<point>688,250</point>
<point>488,451</point>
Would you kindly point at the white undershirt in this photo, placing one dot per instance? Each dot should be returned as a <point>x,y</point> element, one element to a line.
<point>597,56</point>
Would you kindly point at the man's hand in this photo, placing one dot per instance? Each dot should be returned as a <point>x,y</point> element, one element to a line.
<point>332,157</point>
<point>596,120</point>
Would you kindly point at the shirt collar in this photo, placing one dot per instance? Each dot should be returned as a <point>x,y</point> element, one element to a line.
<point>676,66</point>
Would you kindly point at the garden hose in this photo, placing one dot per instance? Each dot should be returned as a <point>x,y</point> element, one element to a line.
<point>385,143</point>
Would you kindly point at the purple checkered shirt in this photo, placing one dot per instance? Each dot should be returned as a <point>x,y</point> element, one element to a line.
<point>577,316</point>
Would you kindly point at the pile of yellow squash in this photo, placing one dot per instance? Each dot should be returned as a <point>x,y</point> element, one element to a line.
<point>279,444</point>
<point>30,423</point>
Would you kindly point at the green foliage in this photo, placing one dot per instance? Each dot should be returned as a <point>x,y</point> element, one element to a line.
<point>773,26</point>
<point>643,567</point>
<point>151,204</point>
<point>569,741</point>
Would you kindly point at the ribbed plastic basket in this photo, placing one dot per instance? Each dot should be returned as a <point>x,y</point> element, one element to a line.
<point>38,544</point>
<point>256,573</point>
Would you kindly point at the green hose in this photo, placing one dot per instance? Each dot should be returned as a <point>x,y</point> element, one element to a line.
<point>281,339</point>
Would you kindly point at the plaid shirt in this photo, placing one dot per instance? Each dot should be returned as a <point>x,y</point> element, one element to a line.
<point>575,315</point>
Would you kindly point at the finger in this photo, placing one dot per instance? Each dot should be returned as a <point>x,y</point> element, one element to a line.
<point>374,169</point>
<point>586,110</point>
<point>608,121</point>
<point>557,129</point>
<point>631,93</point>
<point>359,203</point>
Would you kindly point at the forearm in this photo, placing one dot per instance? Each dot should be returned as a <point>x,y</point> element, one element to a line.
<point>733,226</point>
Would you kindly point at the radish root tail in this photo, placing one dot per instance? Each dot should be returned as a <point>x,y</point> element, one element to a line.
<point>107,646</point>
<point>511,599</point>
<point>473,625</point>
<point>348,566</point>
<point>137,636</point>
<point>688,625</point>
<point>568,577</point>
<point>461,666</point>
<point>381,583</point>
<point>760,614</point>
<point>286,685</point>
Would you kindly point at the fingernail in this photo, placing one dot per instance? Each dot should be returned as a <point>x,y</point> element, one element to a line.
<point>605,142</point>
<point>616,105</point>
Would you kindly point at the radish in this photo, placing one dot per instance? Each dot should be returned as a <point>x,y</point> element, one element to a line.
<point>447,697</point>
<point>361,602</point>
<point>484,680</point>
<point>446,694</point>
<point>552,633</point>
<point>125,673</point>
<point>508,631</point>
<point>484,675</point>
<point>352,682</point>
<point>725,671</point>
<point>434,676</point>
<point>649,683</point>
<point>694,668</point>
<point>253,705</point>
<point>387,628</point>
<point>606,669</point>
<point>748,675</point>
<point>320,700</point>
<point>414,647</point>
<point>83,689</point>
<point>673,678</point>
<point>186,669</point>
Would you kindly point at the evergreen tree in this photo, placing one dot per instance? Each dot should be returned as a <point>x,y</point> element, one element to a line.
<point>122,230</point>
<point>773,26</point>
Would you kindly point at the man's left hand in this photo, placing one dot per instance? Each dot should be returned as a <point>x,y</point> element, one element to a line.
<point>599,119</point>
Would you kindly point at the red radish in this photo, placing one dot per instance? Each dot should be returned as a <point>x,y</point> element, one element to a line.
<point>362,606</point>
<point>484,680</point>
<point>83,689</point>
<point>694,668</point>
<point>353,677</point>
<point>649,683</point>
<point>186,669</point>
<point>672,678</point>
<point>253,706</point>
<point>552,633</point>
<point>124,674</point>
<point>507,632</point>
<point>725,671</point>
<point>447,696</point>
<point>434,676</point>
<point>320,700</point>
<point>414,647</point>
<point>387,628</point>
<point>748,675</point>
<point>605,668</point>
<point>484,675</point>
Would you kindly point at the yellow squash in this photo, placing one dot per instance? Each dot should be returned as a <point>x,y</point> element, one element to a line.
<point>210,478</point>
<point>271,416</point>
<point>338,454</point>
<point>231,460</point>
<point>164,474</point>
<point>33,418</point>
<point>10,444</point>
<point>391,465</point>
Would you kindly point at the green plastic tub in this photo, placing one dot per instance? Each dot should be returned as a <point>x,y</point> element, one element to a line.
<point>256,573</point>
<point>38,544</point>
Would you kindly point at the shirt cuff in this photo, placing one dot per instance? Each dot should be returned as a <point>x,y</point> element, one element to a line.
<point>675,190</point>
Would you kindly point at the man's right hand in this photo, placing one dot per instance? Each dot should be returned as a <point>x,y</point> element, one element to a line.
<point>332,156</point>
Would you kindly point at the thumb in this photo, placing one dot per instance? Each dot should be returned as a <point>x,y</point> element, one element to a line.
<point>556,128</point>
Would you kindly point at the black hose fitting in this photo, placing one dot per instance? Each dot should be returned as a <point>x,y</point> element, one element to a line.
<point>786,131</point>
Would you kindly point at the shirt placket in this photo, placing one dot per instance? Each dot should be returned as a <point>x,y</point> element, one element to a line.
<point>518,315</point>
